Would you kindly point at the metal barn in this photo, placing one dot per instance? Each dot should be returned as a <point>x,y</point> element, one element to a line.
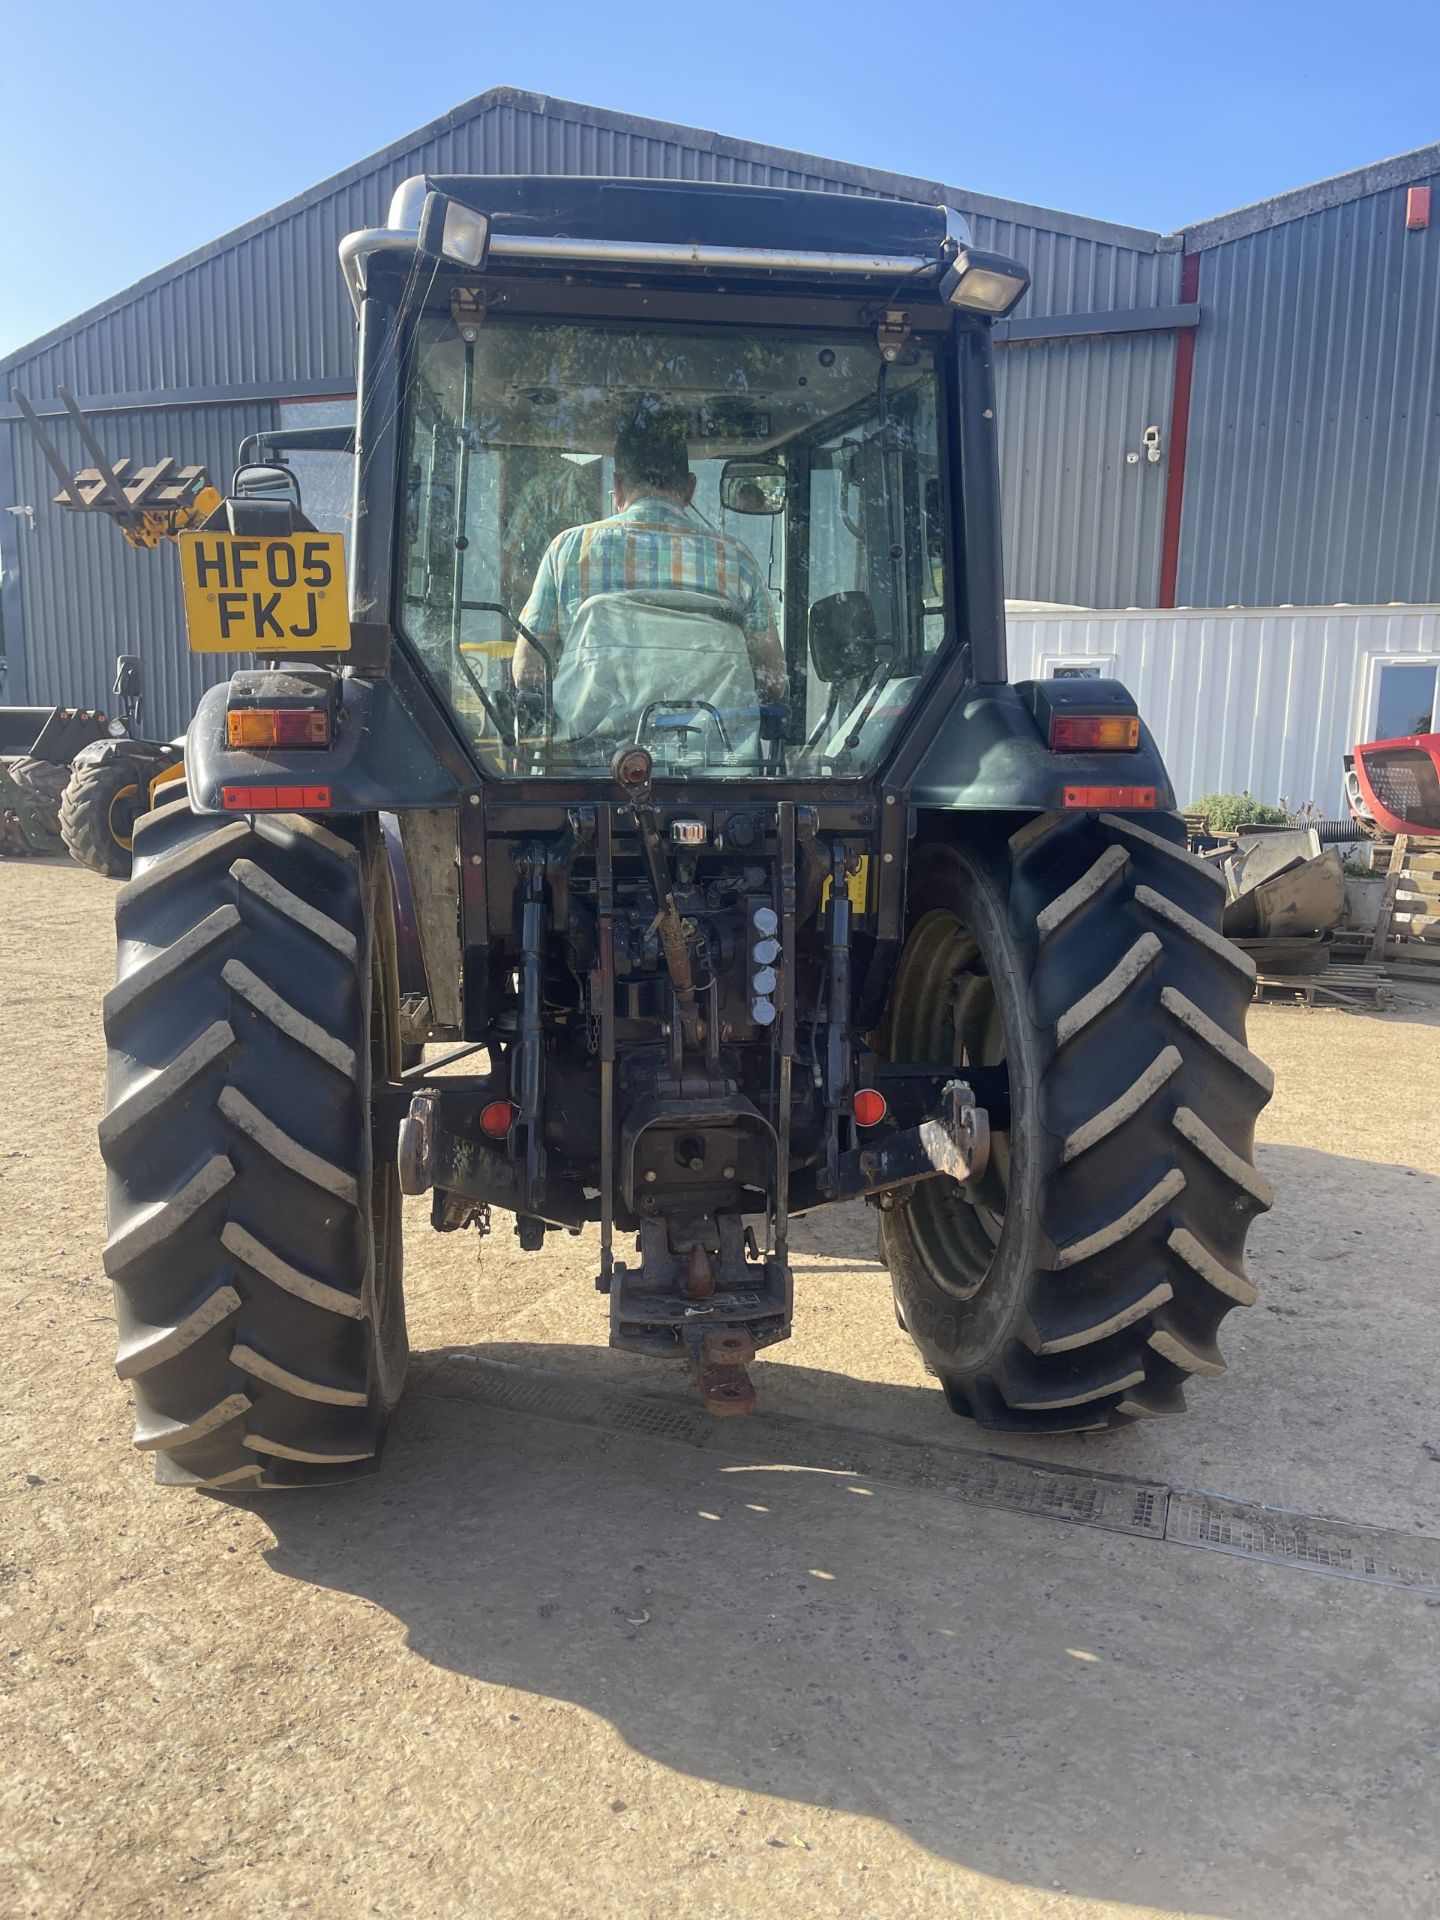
<point>1247,409</point>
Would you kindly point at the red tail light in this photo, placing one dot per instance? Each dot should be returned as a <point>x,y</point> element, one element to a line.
<point>497,1119</point>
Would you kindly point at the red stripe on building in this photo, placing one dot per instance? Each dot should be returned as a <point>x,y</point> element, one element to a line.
<point>1179,437</point>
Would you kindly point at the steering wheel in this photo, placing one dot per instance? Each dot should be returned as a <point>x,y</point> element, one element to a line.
<point>534,710</point>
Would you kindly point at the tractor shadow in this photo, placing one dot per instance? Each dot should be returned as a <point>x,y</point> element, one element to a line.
<point>1050,1705</point>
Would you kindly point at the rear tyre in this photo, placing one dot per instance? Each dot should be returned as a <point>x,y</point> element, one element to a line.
<point>45,783</point>
<point>254,1246</point>
<point>98,813</point>
<point>1081,1281</point>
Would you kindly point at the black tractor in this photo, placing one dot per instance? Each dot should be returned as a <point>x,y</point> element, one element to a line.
<point>738,880</point>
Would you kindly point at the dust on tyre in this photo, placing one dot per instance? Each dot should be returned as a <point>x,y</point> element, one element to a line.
<point>254,1245</point>
<point>1081,1282</point>
<point>98,812</point>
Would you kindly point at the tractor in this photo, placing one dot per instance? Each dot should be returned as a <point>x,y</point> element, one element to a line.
<point>738,880</point>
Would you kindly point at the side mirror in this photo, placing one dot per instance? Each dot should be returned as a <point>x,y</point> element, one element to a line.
<point>842,636</point>
<point>127,677</point>
<point>752,486</point>
<point>265,480</point>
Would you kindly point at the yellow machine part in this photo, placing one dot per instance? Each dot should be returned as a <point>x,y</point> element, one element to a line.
<point>167,776</point>
<point>167,523</point>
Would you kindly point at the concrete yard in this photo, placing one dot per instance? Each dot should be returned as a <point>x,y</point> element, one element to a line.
<point>556,1666</point>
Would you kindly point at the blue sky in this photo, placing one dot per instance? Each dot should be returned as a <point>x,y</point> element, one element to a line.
<point>129,136</point>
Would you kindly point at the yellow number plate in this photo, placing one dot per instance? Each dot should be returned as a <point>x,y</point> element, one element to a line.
<point>246,595</point>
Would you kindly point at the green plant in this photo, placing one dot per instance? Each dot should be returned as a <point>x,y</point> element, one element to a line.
<point>1228,811</point>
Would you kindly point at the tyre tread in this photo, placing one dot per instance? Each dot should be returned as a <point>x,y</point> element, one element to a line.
<point>85,808</point>
<point>147,1347</point>
<point>239,1100</point>
<point>1145,1098</point>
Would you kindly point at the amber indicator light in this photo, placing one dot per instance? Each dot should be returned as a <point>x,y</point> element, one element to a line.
<point>1087,732</point>
<point>278,727</point>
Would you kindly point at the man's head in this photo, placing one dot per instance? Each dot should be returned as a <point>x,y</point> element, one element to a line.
<point>651,457</point>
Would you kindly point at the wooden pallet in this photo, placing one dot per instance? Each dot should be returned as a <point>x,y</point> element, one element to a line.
<point>1417,901</point>
<point>1349,946</point>
<point>1405,962</point>
<point>1409,915</point>
<point>1351,986</point>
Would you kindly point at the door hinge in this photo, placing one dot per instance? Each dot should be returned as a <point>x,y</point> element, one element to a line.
<point>467,310</point>
<point>892,333</point>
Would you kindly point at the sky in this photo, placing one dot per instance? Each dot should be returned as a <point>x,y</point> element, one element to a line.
<point>129,136</point>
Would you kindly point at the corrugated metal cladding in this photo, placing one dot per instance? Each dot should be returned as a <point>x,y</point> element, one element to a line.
<point>1216,688</point>
<point>89,596</point>
<point>1080,524</point>
<point>1313,471</point>
<point>265,309</point>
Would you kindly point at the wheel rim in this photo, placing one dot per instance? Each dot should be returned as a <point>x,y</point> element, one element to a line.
<point>944,1007</point>
<point>120,816</point>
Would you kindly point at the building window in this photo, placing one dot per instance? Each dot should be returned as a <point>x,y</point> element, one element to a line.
<point>1090,666</point>
<point>1405,699</point>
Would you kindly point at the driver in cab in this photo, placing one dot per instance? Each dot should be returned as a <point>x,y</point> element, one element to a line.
<point>655,556</point>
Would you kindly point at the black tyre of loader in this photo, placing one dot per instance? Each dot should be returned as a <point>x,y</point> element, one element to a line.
<point>1081,1281</point>
<point>254,1245</point>
<point>98,812</point>
<point>45,783</point>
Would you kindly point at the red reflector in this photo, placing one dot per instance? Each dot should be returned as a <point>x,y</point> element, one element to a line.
<point>1109,796</point>
<point>496,1119</point>
<point>870,1108</point>
<point>1080,732</point>
<point>273,799</point>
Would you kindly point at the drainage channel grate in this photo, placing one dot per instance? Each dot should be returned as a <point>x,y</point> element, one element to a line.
<point>1381,1556</point>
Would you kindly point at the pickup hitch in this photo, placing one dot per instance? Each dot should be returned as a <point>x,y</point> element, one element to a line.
<point>719,1359</point>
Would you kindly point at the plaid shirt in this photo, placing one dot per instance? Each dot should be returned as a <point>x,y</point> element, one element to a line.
<point>653,544</point>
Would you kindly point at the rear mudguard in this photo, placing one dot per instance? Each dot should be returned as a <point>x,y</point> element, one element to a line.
<point>149,756</point>
<point>991,755</point>
<point>407,926</point>
<point>380,758</point>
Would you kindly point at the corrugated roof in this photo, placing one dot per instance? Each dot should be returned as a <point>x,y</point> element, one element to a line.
<point>722,146</point>
<point>1402,169</point>
<point>1405,169</point>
